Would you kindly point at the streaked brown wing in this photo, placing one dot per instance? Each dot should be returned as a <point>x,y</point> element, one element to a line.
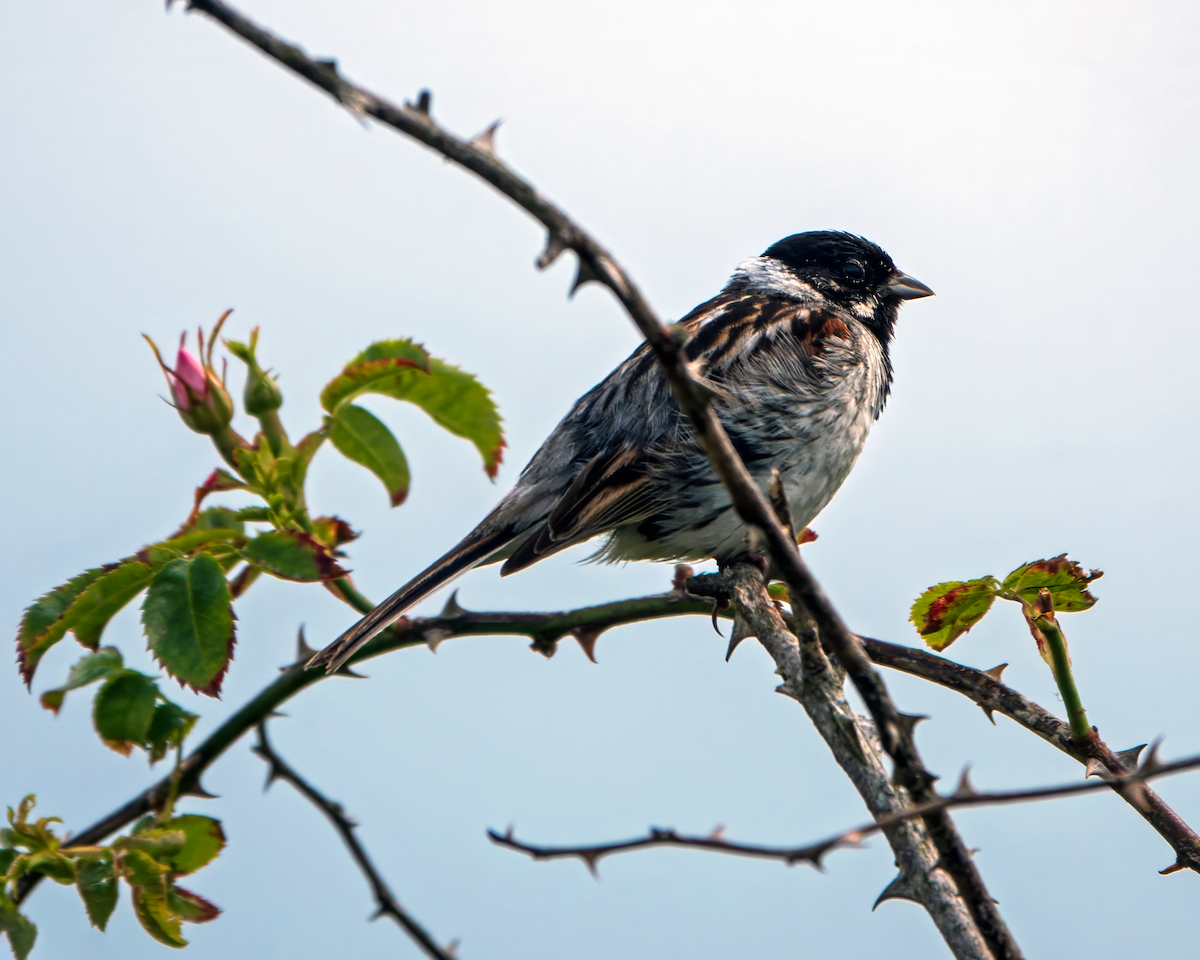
<point>613,489</point>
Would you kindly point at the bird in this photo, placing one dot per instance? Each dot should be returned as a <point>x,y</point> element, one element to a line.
<point>795,352</point>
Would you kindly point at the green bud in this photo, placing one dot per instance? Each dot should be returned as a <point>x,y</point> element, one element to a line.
<point>262,393</point>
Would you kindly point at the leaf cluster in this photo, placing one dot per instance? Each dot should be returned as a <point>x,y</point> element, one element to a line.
<point>189,582</point>
<point>150,859</point>
<point>946,611</point>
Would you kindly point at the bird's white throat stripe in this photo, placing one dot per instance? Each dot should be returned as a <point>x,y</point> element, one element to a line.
<point>768,275</point>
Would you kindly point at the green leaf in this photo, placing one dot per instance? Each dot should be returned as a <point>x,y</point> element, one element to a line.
<point>100,665</point>
<point>167,550</point>
<point>456,401</point>
<point>946,611</point>
<point>97,885</point>
<point>221,518</point>
<point>52,864</point>
<point>188,619</point>
<point>291,555</point>
<point>149,885</point>
<point>191,906</point>
<point>171,724</point>
<point>103,598</point>
<point>44,623</point>
<point>21,932</point>
<point>380,361</point>
<point>1064,578</point>
<point>204,839</point>
<point>360,436</point>
<point>123,710</point>
<point>7,856</point>
<point>160,842</point>
<point>35,836</point>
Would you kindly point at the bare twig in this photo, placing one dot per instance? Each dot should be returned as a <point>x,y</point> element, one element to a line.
<point>387,904</point>
<point>596,264</point>
<point>964,796</point>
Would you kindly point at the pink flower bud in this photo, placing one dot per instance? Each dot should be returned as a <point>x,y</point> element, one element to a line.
<point>189,376</point>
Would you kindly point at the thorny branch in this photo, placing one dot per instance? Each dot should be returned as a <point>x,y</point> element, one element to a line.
<point>542,628</point>
<point>586,624</point>
<point>387,904</point>
<point>963,796</point>
<point>818,684</point>
<point>596,264</point>
<point>984,688</point>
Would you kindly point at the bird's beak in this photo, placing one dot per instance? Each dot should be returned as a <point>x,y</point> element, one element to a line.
<point>908,288</point>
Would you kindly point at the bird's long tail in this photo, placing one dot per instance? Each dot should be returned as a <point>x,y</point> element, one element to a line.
<point>468,554</point>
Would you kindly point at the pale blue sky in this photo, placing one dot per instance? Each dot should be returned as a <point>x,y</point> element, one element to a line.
<point>1033,162</point>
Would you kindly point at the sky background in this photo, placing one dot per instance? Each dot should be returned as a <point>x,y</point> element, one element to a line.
<point>1033,162</point>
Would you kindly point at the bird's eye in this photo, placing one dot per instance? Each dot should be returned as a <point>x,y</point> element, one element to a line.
<point>853,270</point>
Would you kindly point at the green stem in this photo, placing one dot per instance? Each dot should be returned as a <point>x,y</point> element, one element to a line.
<point>272,429</point>
<point>1057,645</point>
<point>345,591</point>
<point>173,787</point>
<point>226,442</point>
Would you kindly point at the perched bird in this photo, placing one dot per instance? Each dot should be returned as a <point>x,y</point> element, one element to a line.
<point>795,349</point>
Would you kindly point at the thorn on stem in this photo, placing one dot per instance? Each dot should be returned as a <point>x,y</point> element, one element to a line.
<point>996,671</point>
<point>1151,764</point>
<point>304,652</point>
<point>555,247</point>
<point>586,638</point>
<point>1129,758</point>
<point>424,102</point>
<point>452,610</point>
<point>585,274</point>
<point>741,631</point>
<point>486,141</point>
<point>434,637</point>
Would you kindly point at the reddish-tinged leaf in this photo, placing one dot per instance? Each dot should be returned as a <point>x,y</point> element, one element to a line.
<point>101,665</point>
<point>189,622</point>
<point>123,710</point>
<point>380,361</point>
<point>362,437</point>
<point>191,907</point>
<point>1065,579</point>
<point>45,623</point>
<point>333,531</point>
<point>219,480</point>
<point>946,611</point>
<point>291,555</point>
